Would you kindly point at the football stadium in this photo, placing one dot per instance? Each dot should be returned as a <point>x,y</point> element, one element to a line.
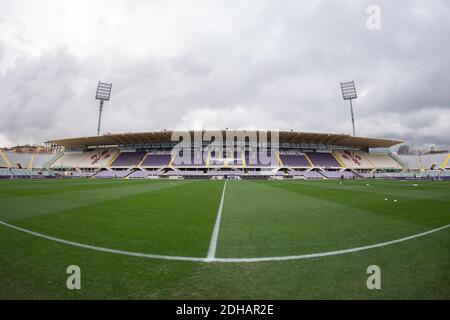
<point>224,214</point>
<point>224,157</point>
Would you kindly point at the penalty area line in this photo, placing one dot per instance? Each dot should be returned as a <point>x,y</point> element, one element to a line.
<point>213,244</point>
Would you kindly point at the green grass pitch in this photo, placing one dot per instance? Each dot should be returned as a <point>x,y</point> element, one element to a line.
<point>259,219</point>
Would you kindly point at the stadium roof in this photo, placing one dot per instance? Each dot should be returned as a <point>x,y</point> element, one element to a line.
<point>285,136</point>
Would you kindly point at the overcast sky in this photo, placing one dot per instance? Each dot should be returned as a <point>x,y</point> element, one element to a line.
<point>192,64</point>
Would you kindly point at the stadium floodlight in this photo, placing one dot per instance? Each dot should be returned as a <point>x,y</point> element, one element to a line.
<point>349,93</point>
<point>103,94</point>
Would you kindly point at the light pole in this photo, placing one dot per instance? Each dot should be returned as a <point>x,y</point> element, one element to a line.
<point>349,93</point>
<point>103,94</point>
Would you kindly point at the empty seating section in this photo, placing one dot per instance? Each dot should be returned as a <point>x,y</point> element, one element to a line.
<point>312,175</point>
<point>194,158</point>
<point>41,160</point>
<point>77,174</point>
<point>412,161</point>
<point>217,158</point>
<point>17,173</point>
<point>254,159</point>
<point>19,160</point>
<point>425,161</point>
<point>445,175</point>
<point>229,158</point>
<point>69,160</point>
<point>227,173</point>
<point>433,161</point>
<point>200,163</point>
<point>113,174</point>
<point>373,175</point>
<point>184,173</point>
<point>323,159</point>
<point>338,174</point>
<point>25,160</point>
<point>129,159</point>
<point>236,158</point>
<point>23,173</point>
<point>3,163</point>
<point>5,173</point>
<point>140,174</point>
<point>381,160</point>
<point>98,158</point>
<point>354,159</point>
<point>294,158</point>
<point>157,159</point>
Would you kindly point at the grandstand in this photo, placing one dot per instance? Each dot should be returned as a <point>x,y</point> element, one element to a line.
<point>25,165</point>
<point>121,200</point>
<point>424,162</point>
<point>295,155</point>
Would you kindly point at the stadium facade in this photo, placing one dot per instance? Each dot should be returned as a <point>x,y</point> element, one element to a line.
<point>217,154</point>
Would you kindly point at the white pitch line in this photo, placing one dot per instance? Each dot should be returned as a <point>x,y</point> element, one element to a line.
<point>213,244</point>
<point>87,246</point>
<point>235,260</point>
<point>330,253</point>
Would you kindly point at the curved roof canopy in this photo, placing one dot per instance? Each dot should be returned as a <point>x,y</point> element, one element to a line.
<point>284,136</point>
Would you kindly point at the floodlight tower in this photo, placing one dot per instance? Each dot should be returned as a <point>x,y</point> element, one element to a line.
<point>349,93</point>
<point>103,94</point>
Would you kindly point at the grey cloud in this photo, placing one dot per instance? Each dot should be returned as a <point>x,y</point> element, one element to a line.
<point>266,64</point>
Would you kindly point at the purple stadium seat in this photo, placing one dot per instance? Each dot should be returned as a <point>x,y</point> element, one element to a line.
<point>156,160</point>
<point>338,174</point>
<point>113,174</point>
<point>295,161</point>
<point>322,159</point>
<point>128,159</point>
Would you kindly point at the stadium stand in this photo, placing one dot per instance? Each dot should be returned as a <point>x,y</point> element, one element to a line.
<point>185,173</point>
<point>294,159</point>
<point>157,159</point>
<point>323,159</point>
<point>372,175</point>
<point>253,159</point>
<point>129,159</point>
<point>337,174</point>
<point>25,160</point>
<point>5,173</point>
<point>425,161</point>
<point>381,160</point>
<point>98,158</point>
<point>19,160</point>
<point>78,174</point>
<point>23,173</point>
<point>354,159</point>
<point>113,174</point>
<point>298,155</point>
<point>3,163</point>
<point>411,161</point>
<point>312,175</point>
<point>41,161</point>
<point>69,160</point>
<point>434,161</point>
<point>228,173</point>
<point>195,158</point>
<point>140,174</point>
